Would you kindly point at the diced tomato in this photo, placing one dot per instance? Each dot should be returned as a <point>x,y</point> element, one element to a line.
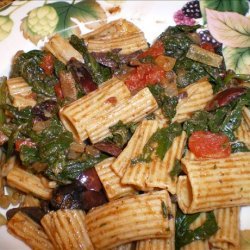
<point>144,75</point>
<point>208,46</point>
<point>58,90</point>
<point>47,64</point>
<point>20,142</point>
<point>206,144</point>
<point>155,50</point>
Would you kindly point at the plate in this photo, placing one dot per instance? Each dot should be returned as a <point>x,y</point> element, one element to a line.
<point>152,17</point>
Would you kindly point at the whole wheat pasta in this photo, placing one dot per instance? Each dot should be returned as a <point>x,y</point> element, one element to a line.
<point>62,49</point>
<point>111,181</point>
<point>198,95</point>
<point>23,227</point>
<point>28,183</point>
<point>160,173</point>
<point>130,219</point>
<point>112,29</point>
<point>133,109</point>
<point>246,115</point>
<point>67,230</point>
<point>135,146</point>
<point>20,92</point>
<point>155,244</point>
<point>78,114</point>
<point>127,44</point>
<point>229,176</point>
<point>128,246</point>
<point>228,235</point>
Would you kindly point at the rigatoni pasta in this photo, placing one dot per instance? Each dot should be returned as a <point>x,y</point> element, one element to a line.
<point>79,114</point>
<point>133,109</point>
<point>67,230</point>
<point>111,181</point>
<point>129,219</point>
<point>230,176</point>
<point>30,232</point>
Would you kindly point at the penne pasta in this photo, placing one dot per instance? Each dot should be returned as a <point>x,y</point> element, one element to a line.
<point>228,235</point>
<point>23,227</point>
<point>111,181</point>
<point>155,244</point>
<point>128,246</point>
<point>133,109</point>
<point>20,92</point>
<point>160,173</point>
<point>130,219</point>
<point>197,245</point>
<point>198,95</point>
<point>230,176</point>
<point>28,183</point>
<point>67,230</point>
<point>77,115</point>
<point>62,49</point>
<point>135,146</point>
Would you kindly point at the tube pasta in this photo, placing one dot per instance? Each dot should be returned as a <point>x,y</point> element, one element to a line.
<point>30,232</point>
<point>112,29</point>
<point>20,92</point>
<point>159,173</point>
<point>67,230</point>
<point>243,131</point>
<point>228,235</point>
<point>230,176</point>
<point>127,44</point>
<point>197,245</point>
<point>129,219</point>
<point>128,246</point>
<point>155,244</point>
<point>133,109</point>
<point>62,49</point>
<point>28,183</point>
<point>111,181</point>
<point>199,94</point>
<point>134,147</point>
<point>77,115</point>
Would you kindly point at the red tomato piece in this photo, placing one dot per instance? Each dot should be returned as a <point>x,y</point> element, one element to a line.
<point>20,142</point>
<point>208,46</point>
<point>144,75</point>
<point>47,64</point>
<point>155,50</point>
<point>58,91</point>
<point>206,144</point>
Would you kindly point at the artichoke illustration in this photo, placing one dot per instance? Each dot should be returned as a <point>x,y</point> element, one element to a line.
<point>40,22</point>
<point>6,25</point>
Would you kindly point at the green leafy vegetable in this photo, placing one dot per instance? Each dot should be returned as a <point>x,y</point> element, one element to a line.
<point>176,169</point>
<point>98,72</point>
<point>164,210</point>
<point>29,155</point>
<point>166,103</point>
<point>184,235</point>
<point>27,65</point>
<point>160,142</point>
<point>239,146</point>
<point>239,6</point>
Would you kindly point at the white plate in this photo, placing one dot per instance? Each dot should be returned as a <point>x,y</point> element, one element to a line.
<point>152,17</point>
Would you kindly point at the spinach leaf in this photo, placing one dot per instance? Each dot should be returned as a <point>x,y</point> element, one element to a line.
<point>98,72</point>
<point>29,155</point>
<point>176,169</point>
<point>27,65</point>
<point>184,235</point>
<point>238,146</point>
<point>166,103</point>
<point>70,170</point>
<point>160,142</point>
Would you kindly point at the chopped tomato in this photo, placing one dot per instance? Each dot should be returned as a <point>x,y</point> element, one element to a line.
<point>206,144</point>
<point>20,142</point>
<point>144,75</point>
<point>155,50</point>
<point>208,46</point>
<point>47,64</point>
<point>58,91</point>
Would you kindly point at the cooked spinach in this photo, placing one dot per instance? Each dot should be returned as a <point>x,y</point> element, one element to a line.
<point>176,169</point>
<point>184,235</point>
<point>166,103</point>
<point>159,143</point>
<point>27,65</point>
<point>29,155</point>
<point>98,72</point>
<point>239,146</point>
